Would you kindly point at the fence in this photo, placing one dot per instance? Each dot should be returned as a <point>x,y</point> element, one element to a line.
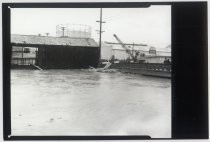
<point>23,61</point>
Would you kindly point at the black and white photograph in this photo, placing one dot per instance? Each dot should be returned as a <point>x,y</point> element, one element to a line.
<point>91,71</point>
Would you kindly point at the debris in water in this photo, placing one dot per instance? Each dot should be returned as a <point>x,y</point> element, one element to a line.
<point>104,69</point>
<point>51,120</point>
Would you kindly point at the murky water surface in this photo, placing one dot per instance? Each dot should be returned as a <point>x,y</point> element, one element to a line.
<point>82,102</point>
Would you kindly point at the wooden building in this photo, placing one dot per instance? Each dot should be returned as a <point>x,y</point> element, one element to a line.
<point>54,52</point>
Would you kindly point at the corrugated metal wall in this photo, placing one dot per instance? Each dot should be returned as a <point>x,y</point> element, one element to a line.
<point>67,57</point>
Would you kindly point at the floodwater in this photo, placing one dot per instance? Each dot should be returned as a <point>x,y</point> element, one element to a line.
<point>83,102</point>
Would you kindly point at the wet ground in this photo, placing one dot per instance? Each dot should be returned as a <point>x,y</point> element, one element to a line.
<point>82,102</point>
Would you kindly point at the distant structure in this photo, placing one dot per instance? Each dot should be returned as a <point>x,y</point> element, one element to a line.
<point>169,46</point>
<point>73,31</point>
<point>152,54</point>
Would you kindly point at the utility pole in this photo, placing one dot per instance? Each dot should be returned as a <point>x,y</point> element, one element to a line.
<point>63,29</point>
<point>100,32</point>
<point>133,48</point>
<point>47,34</point>
<point>22,56</point>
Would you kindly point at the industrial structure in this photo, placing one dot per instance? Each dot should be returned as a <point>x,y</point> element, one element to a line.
<point>146,62</point>
<point>73,31</point>
<point>47,52</point>
<point>140,52</point>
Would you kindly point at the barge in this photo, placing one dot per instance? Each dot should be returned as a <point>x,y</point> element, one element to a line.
<point>148,69</point>
<point>141,63</point>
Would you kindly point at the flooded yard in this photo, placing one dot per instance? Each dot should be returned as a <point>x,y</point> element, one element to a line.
<point>81,102</point>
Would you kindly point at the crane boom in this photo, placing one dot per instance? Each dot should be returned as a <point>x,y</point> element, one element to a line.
<point>125,47</point>
<point>141,44</point>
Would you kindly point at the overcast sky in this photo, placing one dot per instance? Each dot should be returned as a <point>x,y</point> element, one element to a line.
<point>150,26</point>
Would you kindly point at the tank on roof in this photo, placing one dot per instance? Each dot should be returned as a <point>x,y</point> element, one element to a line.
<point>73,30</point>
<point>152,50</point>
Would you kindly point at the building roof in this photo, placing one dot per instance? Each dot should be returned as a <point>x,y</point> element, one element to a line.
<point>49,40</point>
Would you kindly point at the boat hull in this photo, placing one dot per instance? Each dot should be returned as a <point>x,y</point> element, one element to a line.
<point>148,69</point>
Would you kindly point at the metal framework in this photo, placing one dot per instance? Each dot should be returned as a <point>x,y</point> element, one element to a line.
<point>73,30</point>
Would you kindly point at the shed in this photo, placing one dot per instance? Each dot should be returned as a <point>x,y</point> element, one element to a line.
<point>60,52</point>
